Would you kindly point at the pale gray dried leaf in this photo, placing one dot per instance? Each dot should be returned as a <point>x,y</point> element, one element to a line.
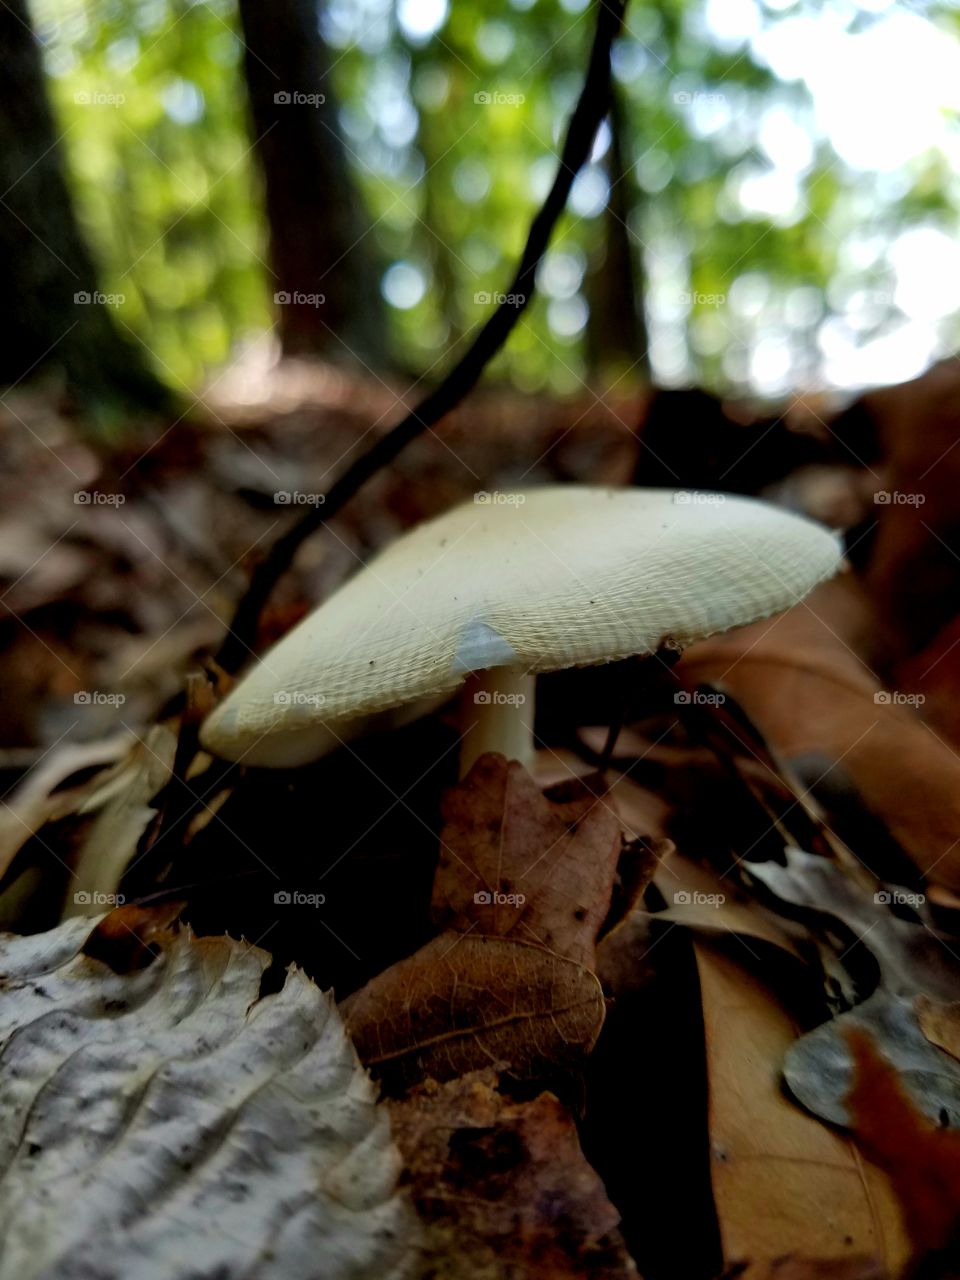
<point>819,1067</point>
<point>37,799</point>
<point>124,812</point>
<point>913,957</point>
<point>169,1123</point>
<point>914,960</point>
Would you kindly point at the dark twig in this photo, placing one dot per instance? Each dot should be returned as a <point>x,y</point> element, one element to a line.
<point>590,110</point>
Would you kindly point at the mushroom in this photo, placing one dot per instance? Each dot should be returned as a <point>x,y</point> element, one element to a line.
<point>506,586</point>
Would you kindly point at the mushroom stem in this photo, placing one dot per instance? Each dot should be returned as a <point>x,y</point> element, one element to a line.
<point>497,715</point>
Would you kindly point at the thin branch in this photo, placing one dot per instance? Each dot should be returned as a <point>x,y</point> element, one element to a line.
<point>590,110</point>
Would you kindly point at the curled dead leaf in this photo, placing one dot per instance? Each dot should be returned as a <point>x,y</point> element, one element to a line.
<point>168,1121</point>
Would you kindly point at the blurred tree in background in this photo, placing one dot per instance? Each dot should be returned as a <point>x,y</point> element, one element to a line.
<point>760,207</point>
<point>62,318</point>
<point>325,284</point>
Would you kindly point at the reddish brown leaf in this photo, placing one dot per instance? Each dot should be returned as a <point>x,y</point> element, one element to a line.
<point>514,864</point>
<point>503,1188</point>
<point>923,1161</point>
<point>785,1185</point>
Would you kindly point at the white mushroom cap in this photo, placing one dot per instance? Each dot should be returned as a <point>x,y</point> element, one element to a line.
<point>555,577</point>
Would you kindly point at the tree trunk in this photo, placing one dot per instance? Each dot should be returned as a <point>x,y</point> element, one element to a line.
<point>56,316</point>
<point>617,332</point>
<point>319,246</point>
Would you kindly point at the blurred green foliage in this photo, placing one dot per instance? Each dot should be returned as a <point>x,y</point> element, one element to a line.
<point>151,99</point>
<point>453,118</point>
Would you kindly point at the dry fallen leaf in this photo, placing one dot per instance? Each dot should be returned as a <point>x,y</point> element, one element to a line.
<point>798,1268</point>
<point>169,1122</point>
<point>784,1184</point>
<point>699,898</point>
<point>799,678</point>
<point>912,955</point>
<point>514,864</point>
<point>922,1159</point>
<point>940,1023</point>
<point>124,811</point>
<point>503,1188</point>
<point>464,1001</point>
<point>522,888</point>
<point>41,796</point>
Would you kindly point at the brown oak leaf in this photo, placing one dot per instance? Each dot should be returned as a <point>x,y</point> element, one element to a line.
<point>522,889</point>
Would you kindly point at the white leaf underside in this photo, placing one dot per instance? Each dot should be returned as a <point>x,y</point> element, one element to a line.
<point>168,1124</point>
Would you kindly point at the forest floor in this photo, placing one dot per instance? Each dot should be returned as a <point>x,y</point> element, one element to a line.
<point>774,1086</point>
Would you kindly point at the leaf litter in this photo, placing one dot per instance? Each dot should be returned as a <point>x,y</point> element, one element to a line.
<point>788,820</point>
